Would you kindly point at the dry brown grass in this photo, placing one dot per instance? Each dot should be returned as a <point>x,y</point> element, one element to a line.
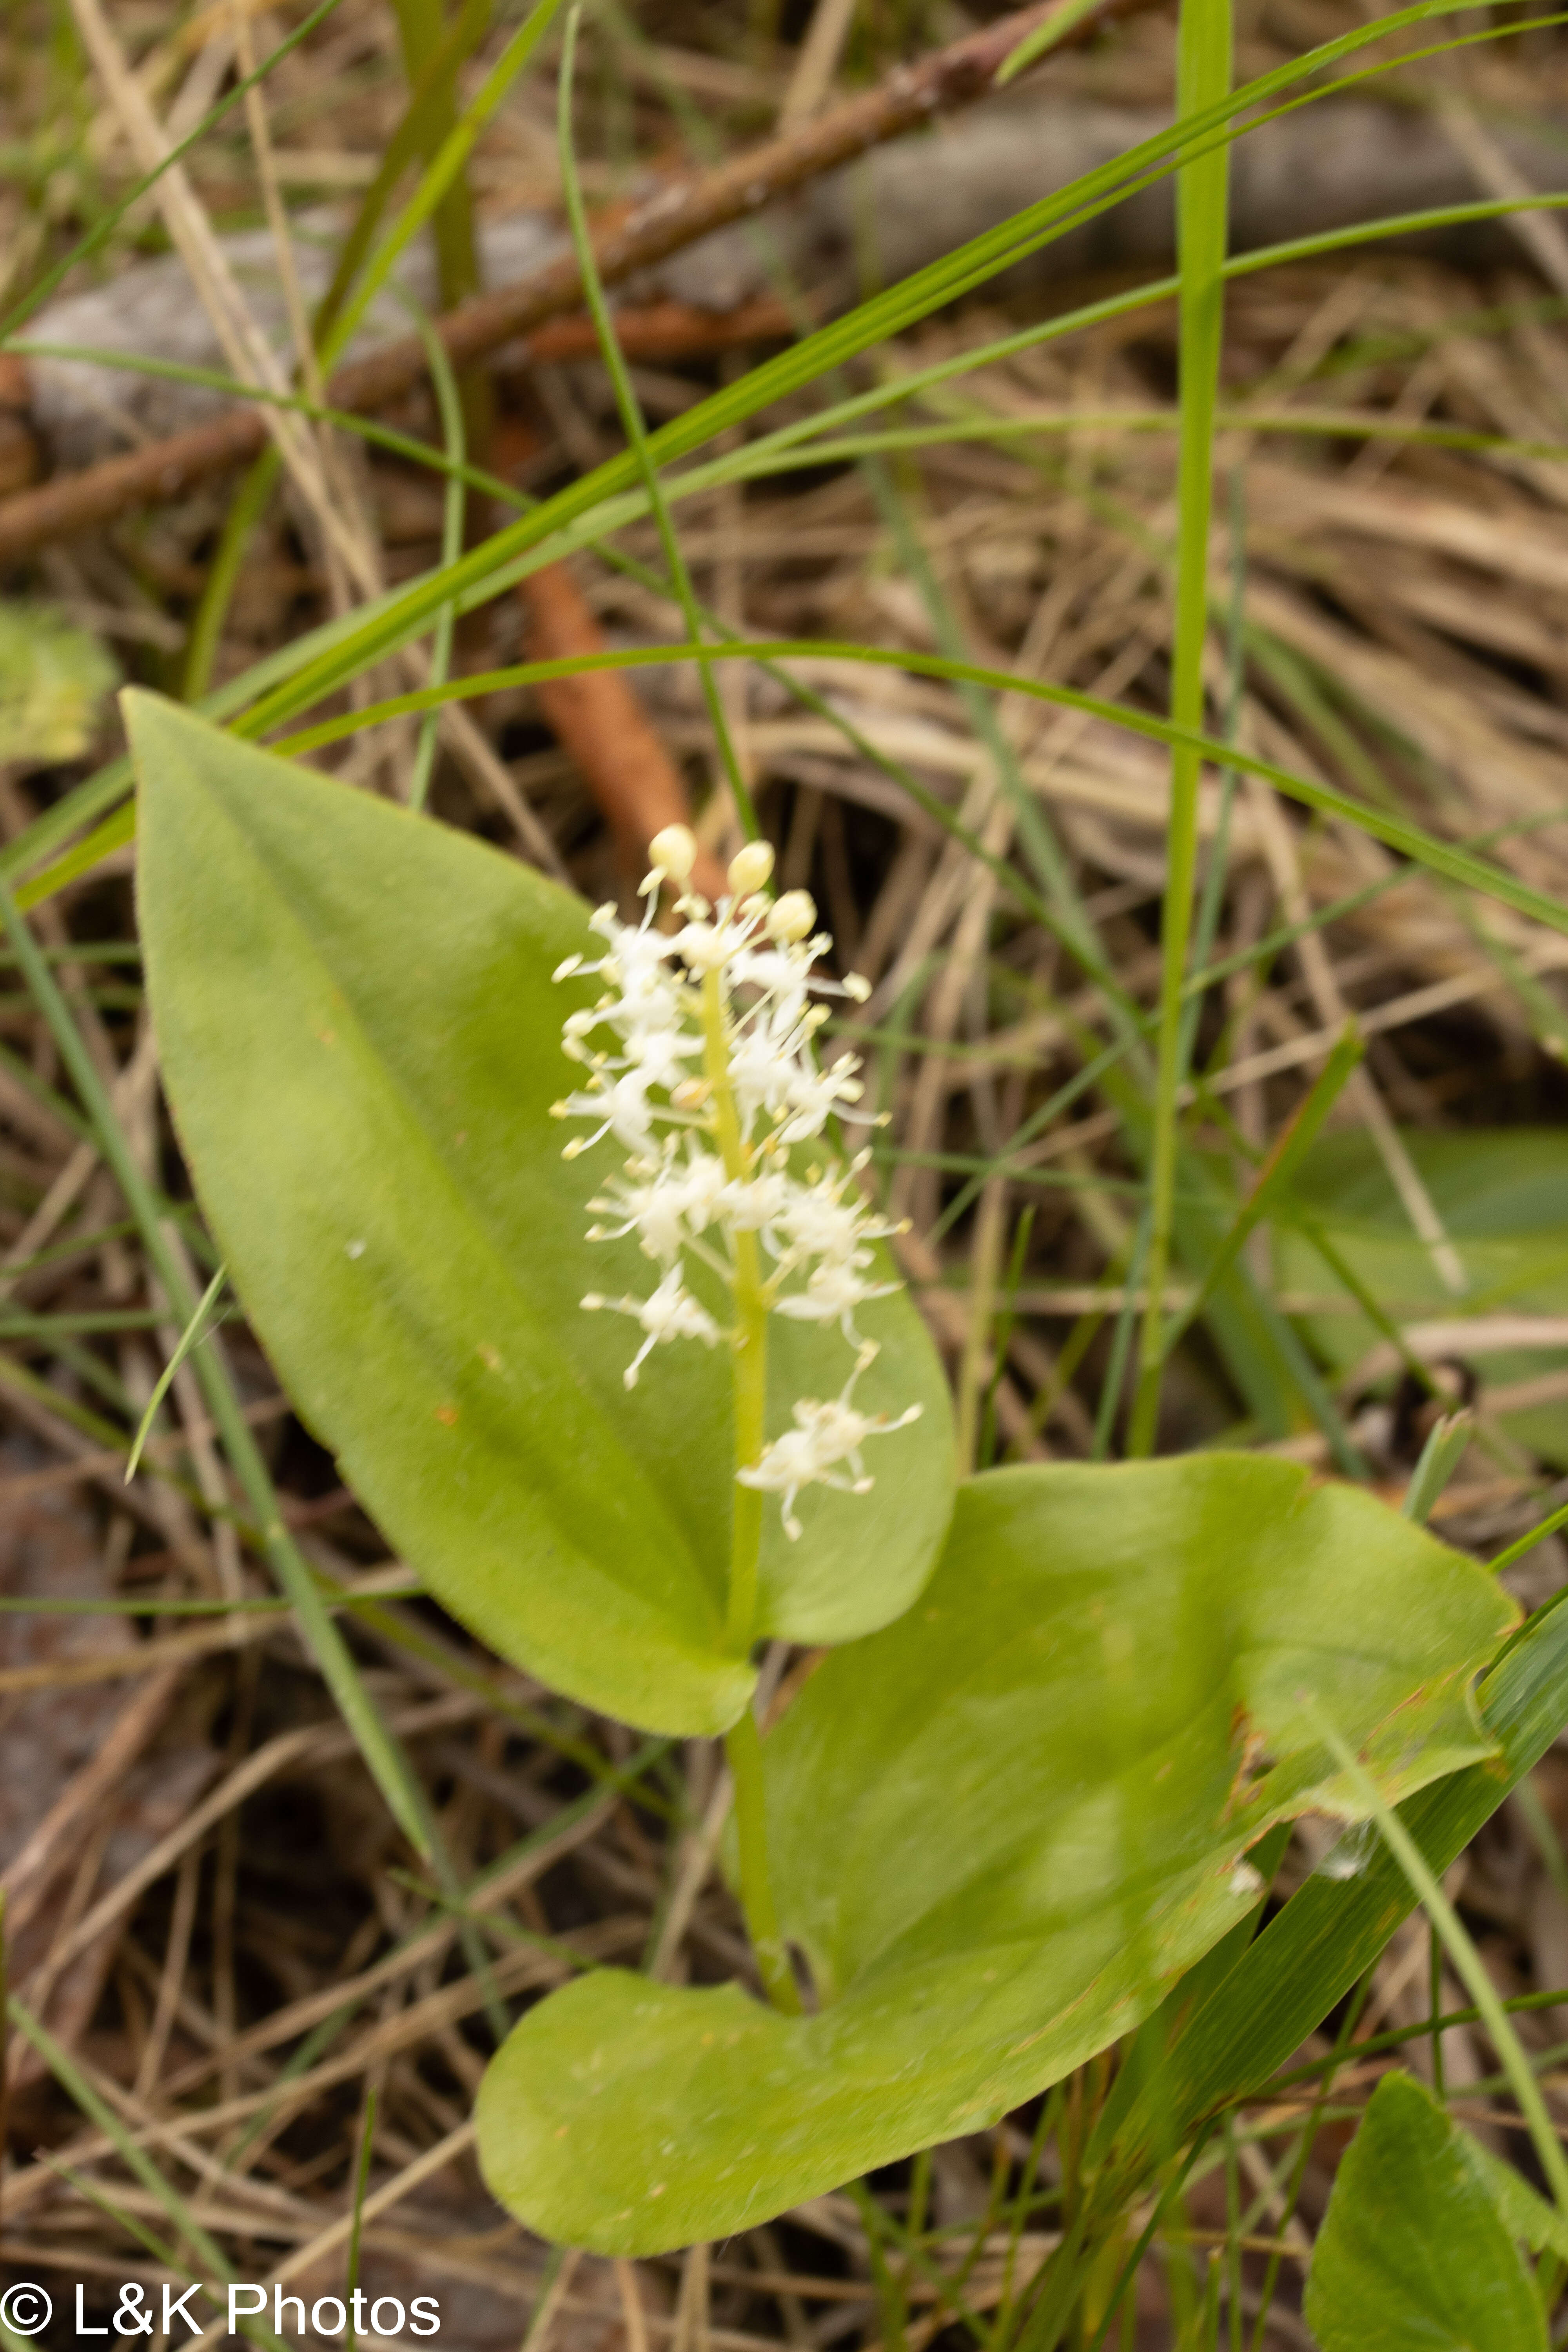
<point>207,1905</point>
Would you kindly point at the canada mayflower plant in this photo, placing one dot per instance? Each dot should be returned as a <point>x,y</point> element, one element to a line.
<point>716,1087</point>
<point>1040,1729</point>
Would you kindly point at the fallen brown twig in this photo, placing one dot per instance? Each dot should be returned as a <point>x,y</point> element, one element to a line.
<point>676,216</point>
<point>164,469</point>
<point>598,716</point>
<point>599,719</point>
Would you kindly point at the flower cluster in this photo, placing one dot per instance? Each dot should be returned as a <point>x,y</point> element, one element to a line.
<point>710,1081</point>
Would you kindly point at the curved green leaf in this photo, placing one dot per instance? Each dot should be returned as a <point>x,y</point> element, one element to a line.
<point>1000,1829</point>
<point>1413,2254</point>
<point>361,1042</point>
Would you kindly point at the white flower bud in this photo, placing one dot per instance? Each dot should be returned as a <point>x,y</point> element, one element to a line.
<point>706,947</point>
<point>792,918</point>
<point>672,851</point>
<point>749,868</point>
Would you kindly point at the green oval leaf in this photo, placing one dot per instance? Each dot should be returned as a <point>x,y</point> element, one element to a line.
<point>361,1043</point>
<point>1000,1829</point>
<point>1413,2254</point>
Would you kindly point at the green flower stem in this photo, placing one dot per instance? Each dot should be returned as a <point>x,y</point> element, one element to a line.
<point>749,1340</point>
<point>749,1343</point>
<point>743,1751</point>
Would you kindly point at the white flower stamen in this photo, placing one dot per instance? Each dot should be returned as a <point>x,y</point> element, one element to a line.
<point>707,1182</point>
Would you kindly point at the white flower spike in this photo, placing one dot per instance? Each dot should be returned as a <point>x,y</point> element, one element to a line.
<point>699,1059</point>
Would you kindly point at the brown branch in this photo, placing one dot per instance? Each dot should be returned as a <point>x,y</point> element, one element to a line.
<point>165,469</point>
<point>675,217</point>
<point>600,721</point>
<point>598,717</point>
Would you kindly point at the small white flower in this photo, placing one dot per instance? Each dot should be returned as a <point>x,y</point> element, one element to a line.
<point>667,1209</point>
<point>657,1055</point>
<point>671,1313</point>
<point>759,1071</point>
<point>708,947</point>
<point>622,1108</point>
<point>833,1291</point>
<point>817,1221</point>
<point>753,1204</point>
<point>809,1454</point>
<point>814,1095</point>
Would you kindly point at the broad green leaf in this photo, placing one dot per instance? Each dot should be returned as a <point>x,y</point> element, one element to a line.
<point>1413,2255</point>
<point>1000,1829</point>
<point>361,1042</point>
<point>1503,1199</point>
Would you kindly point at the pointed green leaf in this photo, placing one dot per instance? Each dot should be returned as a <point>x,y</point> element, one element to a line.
<point>361,1042</point>
<point>1523,2211</point>
<point>1414,2255</point>
<point>1000,1829</point>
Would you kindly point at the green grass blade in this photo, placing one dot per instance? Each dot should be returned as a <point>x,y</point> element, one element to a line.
<point>189,1336</point>
<point>384,1757</point>
<point>31,302</point>
<point>429,106</point>
<point>631,418</point>
<point>441,175</point>
<point>1333,1929</point>
<point>1440,1457</point>
<point>98,2111</point>
<point>245,512</point>
<point>973,265</point>
<point>1045,38</point>
<point>775,455</point>
<point>1274,1179</point>
<point>1468,1965</point>
<point>1527,1543</point>
<point>1452,861</point>
<point>449,404</point>
<point>1205,50</point>
<point>421,36</point>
